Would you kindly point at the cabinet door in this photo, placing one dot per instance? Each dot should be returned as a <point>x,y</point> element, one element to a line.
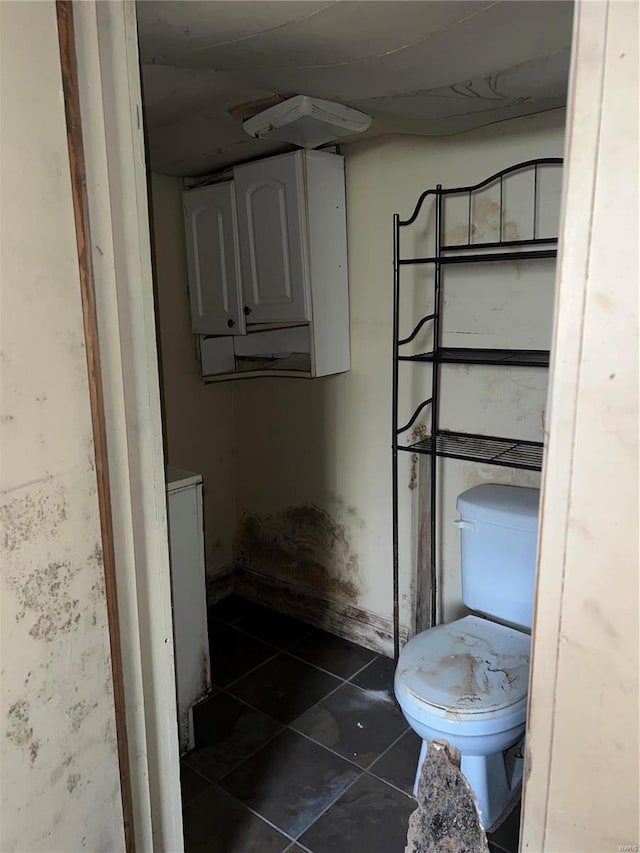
<point>212,261</point>
<point>272,235</point>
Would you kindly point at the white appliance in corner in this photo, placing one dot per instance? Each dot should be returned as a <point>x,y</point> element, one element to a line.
<point>189,594</point>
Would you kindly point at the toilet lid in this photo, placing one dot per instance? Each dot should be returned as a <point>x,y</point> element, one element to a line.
<point>472,666</point>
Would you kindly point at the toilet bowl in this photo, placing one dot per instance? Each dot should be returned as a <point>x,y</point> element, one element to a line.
<point>466,682</point>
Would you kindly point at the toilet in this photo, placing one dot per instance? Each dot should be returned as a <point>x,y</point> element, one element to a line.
<point>466,682</point>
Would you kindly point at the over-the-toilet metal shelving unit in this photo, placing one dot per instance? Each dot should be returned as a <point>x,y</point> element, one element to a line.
<point>487,449</point>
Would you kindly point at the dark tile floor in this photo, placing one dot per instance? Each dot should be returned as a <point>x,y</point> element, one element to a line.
<point>301,746</point>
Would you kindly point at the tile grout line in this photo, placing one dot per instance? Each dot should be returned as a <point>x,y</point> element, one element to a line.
<point>278,650</point>
<point>247,807</point>
<point>357,672</point>
<point>390,785</point>
<point>290,727</point>
<point>328,749</point>
<point>262,817</point>
<point>253,811</point>
<point>282,725</point>
<point>288,651</point>
<point>326,809</point>
<point>246,757</point>
<point>371,772</point>
<point>498,846</point>
<point>344,681</point>
<point>249,671</point>
<point>248,633</point>
<point>311,707</point>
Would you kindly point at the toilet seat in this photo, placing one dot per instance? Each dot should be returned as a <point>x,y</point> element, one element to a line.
<point>471,673</point>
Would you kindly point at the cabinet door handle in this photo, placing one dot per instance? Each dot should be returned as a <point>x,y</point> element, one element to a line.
<point>247,310</point>
<point>231,323</point>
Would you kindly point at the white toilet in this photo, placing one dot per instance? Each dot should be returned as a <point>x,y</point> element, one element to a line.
<point>466,682</point>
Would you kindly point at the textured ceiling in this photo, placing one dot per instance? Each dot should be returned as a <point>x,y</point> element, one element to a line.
<point>426,67</point>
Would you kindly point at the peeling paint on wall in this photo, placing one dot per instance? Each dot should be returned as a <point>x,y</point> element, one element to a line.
<point>417,434</point>
<point>303,545</point>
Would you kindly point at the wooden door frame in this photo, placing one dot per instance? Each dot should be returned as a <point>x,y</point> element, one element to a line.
<point>109,91</point>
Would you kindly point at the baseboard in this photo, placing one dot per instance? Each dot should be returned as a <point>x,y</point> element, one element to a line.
<point>346,621</point>
<point>220,584</point>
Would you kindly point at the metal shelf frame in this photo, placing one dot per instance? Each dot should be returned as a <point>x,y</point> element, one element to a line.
<point>494,450</point>
<point>494,357</point>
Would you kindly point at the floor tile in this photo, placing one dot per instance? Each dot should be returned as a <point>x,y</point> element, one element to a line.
<point>191,783</point>
<point>290,781</point>
<point>229,609</point>
<point>399,764</point>
<point>234,653</point>
<point>507,835</point>
<point>332,653</point>
<point>216,823</point>
<point>284,687</point>
<point>214,626</point>
<point>370,817</point>
<point>353,723</point>
<point>272,627</point>
<point>226,732</point>
<point>378,677</point>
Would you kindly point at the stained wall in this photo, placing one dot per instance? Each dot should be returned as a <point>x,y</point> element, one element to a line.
<point>298,473</point>
<point>313,464</point>
<point>59,778</point>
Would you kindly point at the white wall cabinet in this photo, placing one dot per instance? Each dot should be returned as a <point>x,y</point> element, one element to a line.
<point>212,260</point>
<point>271,208</point>
<point>267,263</point>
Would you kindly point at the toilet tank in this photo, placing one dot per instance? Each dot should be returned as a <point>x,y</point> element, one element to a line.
<point>499,531</point>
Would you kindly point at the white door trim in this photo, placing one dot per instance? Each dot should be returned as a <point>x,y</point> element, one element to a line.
<point>111,107</point>
<point>581,773</point>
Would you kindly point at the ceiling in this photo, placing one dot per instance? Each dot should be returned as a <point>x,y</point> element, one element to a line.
<point>427,67</point>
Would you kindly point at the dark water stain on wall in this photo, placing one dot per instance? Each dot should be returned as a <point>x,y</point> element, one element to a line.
<point>72,782</point>
<point>28,516</point>
<point>418,433</point>
<point>485,225</point>
<point>20,732</point>
<point>302,545</point>
<point>45,594</point>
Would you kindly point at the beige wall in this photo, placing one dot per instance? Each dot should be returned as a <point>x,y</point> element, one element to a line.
<point>583,791</point>
<point>313,458</point>
<point>59,778</point>
<point>199,429</point>
<point>299,472</point>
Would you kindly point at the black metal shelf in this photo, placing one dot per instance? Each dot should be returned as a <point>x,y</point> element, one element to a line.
<point>494,357</point>
<point>482,258</point>
<point>490,449</point>
<point>500,244</point>
<point>486,449</point>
